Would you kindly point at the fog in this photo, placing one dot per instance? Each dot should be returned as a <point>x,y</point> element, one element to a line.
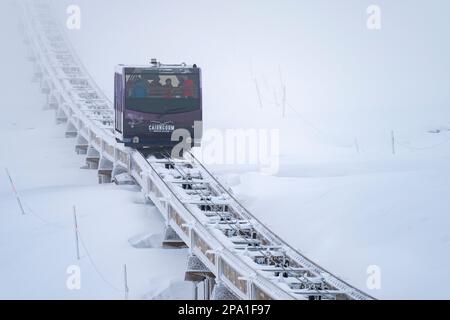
<point>343,82</point>
<point>341,77</point>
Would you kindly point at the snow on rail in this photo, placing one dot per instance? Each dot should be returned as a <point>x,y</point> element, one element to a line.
<point>238,250</point>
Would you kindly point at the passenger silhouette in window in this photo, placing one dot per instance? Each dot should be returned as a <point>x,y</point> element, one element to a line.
<point>155,86</point>
<point>188,87</point>
<point>168,87</point>
<point>139,88</point>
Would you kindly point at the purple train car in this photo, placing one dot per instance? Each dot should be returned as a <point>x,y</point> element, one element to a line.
<point>153,101</point>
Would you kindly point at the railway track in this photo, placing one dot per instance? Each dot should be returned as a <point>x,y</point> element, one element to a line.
<point>231,252</point>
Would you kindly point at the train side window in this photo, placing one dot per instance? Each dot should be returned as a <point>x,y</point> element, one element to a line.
<point>162,86</point>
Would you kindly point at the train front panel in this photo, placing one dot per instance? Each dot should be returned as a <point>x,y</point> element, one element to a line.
<point>152,102</point>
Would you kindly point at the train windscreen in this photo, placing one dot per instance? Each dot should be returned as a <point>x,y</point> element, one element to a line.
<point>162,93</point>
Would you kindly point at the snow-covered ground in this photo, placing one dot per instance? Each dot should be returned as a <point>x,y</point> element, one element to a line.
<point>345,210</point>
<point>394,216</point>
<point>37,249</point>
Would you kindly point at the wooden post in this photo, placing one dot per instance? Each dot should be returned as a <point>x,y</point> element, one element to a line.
<point>75,224</point>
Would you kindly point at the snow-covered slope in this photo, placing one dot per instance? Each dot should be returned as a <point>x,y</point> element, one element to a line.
<point>394,216</point>
<point>344,209</point>
<point>37,249</point>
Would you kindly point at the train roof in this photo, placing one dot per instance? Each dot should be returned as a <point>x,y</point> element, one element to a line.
<point>157,67</point>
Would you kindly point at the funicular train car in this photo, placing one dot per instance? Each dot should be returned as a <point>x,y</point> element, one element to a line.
<point>153,101</point>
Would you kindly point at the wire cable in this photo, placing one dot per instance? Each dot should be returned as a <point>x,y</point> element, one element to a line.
<point>94,265</point>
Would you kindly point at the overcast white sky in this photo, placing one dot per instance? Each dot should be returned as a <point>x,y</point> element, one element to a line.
<point>339,75</point>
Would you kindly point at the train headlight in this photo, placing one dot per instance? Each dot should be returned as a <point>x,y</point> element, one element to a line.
<point>135,139</point>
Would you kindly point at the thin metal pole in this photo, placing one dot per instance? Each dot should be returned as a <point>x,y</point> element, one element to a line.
<point>259,94</point>
<point>393,141</point>
<point>356,145</point>
<point>75,225</point>
<point>195,287</point>
<point>206,288</point>
<point>15,192</point>
<point>283,89</point>
<point>125,279</point>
